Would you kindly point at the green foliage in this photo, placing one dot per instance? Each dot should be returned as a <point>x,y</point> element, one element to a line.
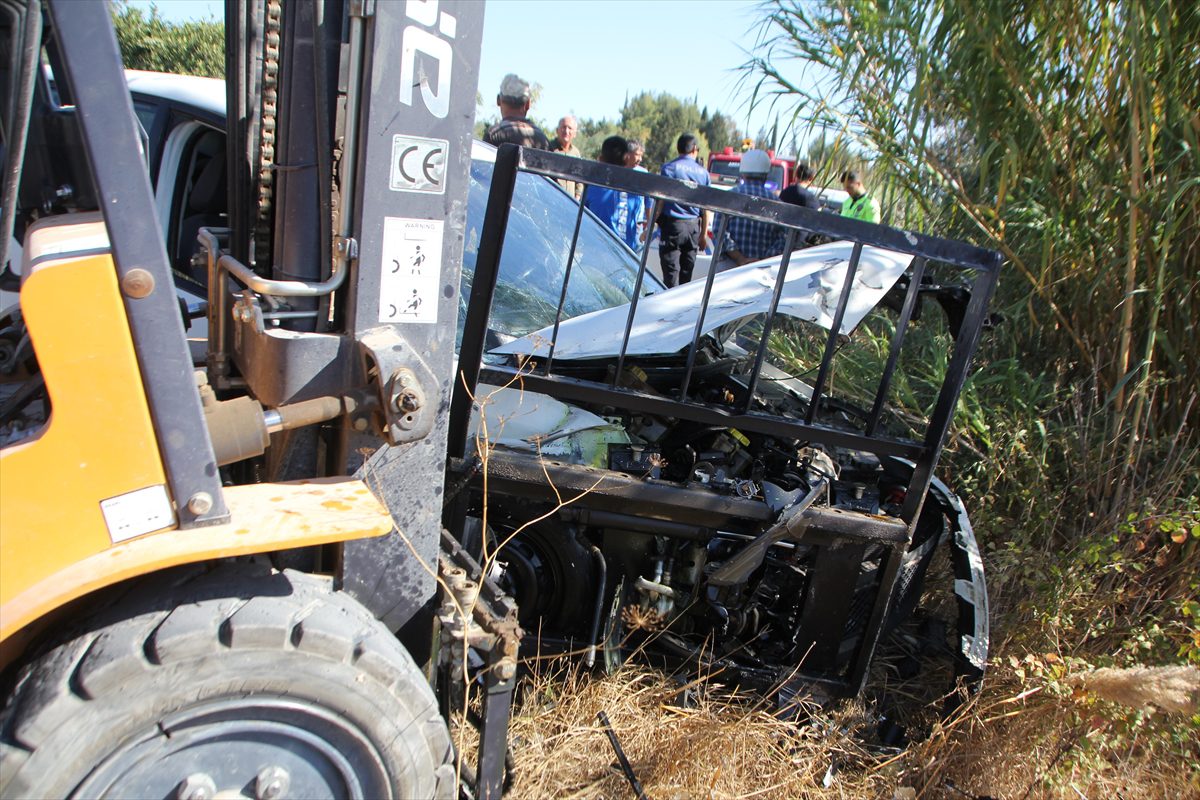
<point>658,120</point>
<point>1063,133</point>
<point>592,133</point>
<point>719,130</point>
<point>833,156</point>
<point>152,43</point>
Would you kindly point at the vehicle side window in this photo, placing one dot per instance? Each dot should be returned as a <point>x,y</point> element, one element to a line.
<point>146,114</point>
<point>199,200</point>
<point>153,120</point>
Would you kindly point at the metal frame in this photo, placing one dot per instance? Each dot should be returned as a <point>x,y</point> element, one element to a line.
<point>546,375</point>
<point>985,263</point>
<point>91,62</point>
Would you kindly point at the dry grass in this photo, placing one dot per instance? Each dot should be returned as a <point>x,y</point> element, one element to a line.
<point>698,741</point>
<point>1028,741</point>
<point>1174,689</point>
<point>704,740</point>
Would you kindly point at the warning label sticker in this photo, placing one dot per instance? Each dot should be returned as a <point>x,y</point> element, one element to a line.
<point>137,512</point>
<point>412,270</point>
<point>418,164</point>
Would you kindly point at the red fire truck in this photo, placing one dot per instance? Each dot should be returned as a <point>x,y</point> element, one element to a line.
<point>723,169</point>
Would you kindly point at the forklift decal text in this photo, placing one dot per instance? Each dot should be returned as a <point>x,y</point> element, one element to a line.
<point>417,39</point>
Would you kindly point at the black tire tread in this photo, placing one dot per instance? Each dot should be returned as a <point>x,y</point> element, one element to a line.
<point>239,606</point>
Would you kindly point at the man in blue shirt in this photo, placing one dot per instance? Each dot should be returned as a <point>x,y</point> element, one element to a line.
<point>749,240</point>
<point>683,230</point>
<point>618,210</point>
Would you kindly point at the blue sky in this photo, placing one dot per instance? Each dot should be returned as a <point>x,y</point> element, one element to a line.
<point>588,55</point>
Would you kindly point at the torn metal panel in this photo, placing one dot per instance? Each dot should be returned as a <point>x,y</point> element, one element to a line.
<point>665,322</point>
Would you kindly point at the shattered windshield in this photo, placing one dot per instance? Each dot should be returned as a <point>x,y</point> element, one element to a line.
<point>536,245</point>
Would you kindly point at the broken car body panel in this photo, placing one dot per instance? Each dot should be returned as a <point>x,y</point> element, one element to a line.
<point>665,322</point>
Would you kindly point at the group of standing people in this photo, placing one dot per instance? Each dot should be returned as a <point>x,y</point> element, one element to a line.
<point>683,230</point>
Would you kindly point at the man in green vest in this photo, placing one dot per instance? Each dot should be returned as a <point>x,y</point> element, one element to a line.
<point>860,205</point>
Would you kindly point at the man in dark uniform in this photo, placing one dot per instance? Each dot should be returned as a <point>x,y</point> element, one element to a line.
<point>514,100</point>
<point>683,229</point>
<point>798,194</point>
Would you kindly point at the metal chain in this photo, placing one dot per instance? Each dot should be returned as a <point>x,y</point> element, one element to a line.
<point>263,232</point>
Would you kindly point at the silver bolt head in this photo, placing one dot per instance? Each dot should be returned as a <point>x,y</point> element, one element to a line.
<point>408,401</point>
<point>200,503</point>
<point>506,670</point>
<point>197,786</point>
<point>272,783</point>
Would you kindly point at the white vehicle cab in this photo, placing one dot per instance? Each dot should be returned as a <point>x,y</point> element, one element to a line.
<point>183,117</point>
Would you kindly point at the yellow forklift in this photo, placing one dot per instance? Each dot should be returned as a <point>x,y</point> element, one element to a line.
<point>223,582</point>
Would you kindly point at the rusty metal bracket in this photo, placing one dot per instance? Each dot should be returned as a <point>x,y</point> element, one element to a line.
<point>405,385</point>
<point>476,613</point>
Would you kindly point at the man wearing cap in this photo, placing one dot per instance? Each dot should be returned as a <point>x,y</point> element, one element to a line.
<point>562,143</point>
<point>514,127</point>
<point>749,240</point>
<point>683,229</point>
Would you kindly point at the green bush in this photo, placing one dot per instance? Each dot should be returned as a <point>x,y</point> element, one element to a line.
<point>152,43</point>
<point>1065,134</point>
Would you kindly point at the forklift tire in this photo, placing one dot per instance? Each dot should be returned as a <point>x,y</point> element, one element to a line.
<point>240,681</point>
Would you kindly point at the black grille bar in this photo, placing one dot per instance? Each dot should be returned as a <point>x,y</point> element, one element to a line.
<point>562,297</point>
<point>633,303</point>
<point>483,288</point>
<point>906,312</point>
<point>581,391</point>
<point>834,332</point>
<point>947,251</point>
<point>943,411</point>
<point>718,252</point>
<point>789,243</point>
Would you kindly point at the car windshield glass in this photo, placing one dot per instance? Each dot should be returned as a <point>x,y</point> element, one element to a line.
<point>536,244</point>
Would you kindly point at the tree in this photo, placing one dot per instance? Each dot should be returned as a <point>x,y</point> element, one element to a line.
<point>719,130</point>
<point>831,157</point>
<point>592,133</point>
<point>658,120</point>
<point>1064,134</point>
<point>150,42</point>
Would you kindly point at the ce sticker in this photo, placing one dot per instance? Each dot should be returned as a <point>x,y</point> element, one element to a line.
<point>418,164</point>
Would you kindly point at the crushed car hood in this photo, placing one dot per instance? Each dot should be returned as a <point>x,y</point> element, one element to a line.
<point>665,322</point>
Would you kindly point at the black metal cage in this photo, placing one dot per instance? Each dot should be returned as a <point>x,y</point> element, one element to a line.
<point>975,266</point>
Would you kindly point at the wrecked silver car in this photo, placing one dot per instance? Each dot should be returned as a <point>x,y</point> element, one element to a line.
<point>643,473</point>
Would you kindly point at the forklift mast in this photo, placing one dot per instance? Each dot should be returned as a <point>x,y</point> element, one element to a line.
<point>349,141</point>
